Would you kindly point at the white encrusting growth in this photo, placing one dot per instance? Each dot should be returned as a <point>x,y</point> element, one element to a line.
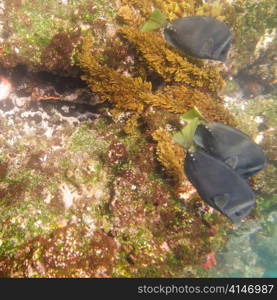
<point>68,195</point>
<point>5,88</point>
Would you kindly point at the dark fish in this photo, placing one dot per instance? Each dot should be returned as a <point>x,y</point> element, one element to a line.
<point>232,146</point>
<point>219,185</point>
<point>199,36</point>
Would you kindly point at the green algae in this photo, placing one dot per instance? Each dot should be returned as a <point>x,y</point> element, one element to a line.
<point>83,139</point>
<point>30,180</point>
<point>256,17</point>
<point>22,222</point>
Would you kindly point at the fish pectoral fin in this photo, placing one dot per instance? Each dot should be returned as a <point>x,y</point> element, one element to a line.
<point>219,51</point>
<point>242,208</point>
<point>232,161</point>
<point>221,200</point>
<point>207,48</point>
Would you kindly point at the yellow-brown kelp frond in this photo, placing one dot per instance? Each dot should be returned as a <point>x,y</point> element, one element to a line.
<point>185,99</point>
<point>178,8</point>
<point>129,16</point>
<point>171,66</point>
<point>214,9</point>
<point>127,93</point>
<point>131,125</point>
<point>179,99</point>
<point>143,7</point>
<point>171,9</point>
<point>124,92</point>
<point>170,104</point>
<point>170,155</point>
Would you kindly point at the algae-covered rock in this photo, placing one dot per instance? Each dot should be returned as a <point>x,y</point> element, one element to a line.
<point>68,174</point>
<point>91,182</point>
<point>43,35</point>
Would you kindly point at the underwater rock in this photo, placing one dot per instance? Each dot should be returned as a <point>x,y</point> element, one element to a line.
<point>200,36</point>
<point>232,146</point>
<point>219,185</point>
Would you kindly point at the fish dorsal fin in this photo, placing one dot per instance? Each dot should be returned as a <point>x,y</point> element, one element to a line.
<point>221,200</point>
<point>232,161</point>
<point>207,47</point>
